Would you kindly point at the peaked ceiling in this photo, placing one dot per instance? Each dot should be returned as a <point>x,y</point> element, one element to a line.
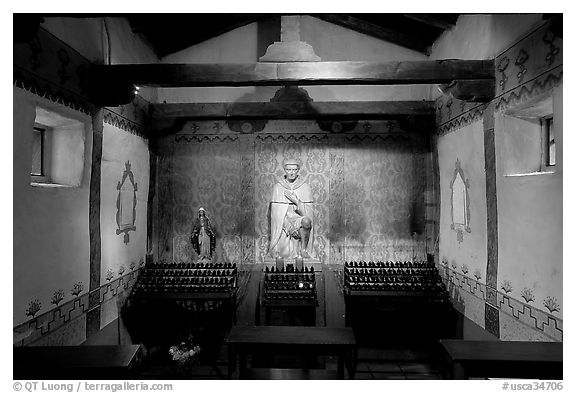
<point>170,33</point>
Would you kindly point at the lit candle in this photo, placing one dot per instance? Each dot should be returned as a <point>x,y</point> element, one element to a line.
<point>279,263</point>
<point>299,263</point>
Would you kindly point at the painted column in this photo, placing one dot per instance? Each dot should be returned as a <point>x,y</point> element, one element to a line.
<point>492,318</point>
<point>93,315</point>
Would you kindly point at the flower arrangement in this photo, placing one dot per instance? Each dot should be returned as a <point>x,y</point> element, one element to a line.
<point>109,275</point>
<point>186,352</point>
<point>465,269</point>
<point>121,270</point>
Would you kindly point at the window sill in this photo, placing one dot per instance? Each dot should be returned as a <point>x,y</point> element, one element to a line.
<point>50,185</point>
<point>530,174</point>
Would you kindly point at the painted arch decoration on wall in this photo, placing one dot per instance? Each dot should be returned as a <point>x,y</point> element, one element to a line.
<point>460,202</point>
<point>126,203</point>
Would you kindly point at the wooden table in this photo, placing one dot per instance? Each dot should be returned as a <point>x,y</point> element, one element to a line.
<point>305,340</point>
<point>503,359</point>
<point>74,362</point>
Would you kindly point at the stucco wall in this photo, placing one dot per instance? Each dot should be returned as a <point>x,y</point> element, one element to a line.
<point>51,243</point>
<point>51,224</point>
<point>89,37</point>
<point>526,211</point>
<point>118,148</point>
<point>530,221</point>
<point>477,37</point>
<point>116,44</point>
<point>467,146</point>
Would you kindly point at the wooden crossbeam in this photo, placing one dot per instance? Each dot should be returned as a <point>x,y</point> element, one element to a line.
<point>300,74</point>
<point>292,110</point>
<point>470,90</point>
<point>431,20</point>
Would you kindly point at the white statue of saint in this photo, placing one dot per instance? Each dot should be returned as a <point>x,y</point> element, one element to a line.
<point>291,215</point>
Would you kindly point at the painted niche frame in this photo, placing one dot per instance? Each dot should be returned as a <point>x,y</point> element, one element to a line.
<point>126,203</point>
<point>460,202</point>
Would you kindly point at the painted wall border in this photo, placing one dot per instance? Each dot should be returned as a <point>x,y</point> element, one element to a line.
<point>123,123</point>
<point>533,317</point>
<point>39,327</point>
<point>461,121</point>
<point>530,90</point>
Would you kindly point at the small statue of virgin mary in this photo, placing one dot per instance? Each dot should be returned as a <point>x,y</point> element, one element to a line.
<point>203,237</point>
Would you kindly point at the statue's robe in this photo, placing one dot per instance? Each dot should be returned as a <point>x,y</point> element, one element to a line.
<point>283,215</point>
<point>203,238</point>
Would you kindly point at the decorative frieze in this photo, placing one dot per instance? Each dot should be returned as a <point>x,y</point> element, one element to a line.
<point>536,54</point>
<point>66,313</point>
<point>531,90</point>
<point>496,301</point>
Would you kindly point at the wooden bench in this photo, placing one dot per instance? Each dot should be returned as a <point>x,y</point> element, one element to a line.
<point>301,340</point>
<point>77,362</point>
<point>503,359</point>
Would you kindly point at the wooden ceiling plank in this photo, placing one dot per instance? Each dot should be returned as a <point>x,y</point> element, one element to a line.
<point>278,74</point>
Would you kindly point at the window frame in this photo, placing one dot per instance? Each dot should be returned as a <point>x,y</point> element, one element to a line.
<point>45,153</point>
<point>546,143</point>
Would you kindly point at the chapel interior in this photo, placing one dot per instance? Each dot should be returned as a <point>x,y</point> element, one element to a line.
<point>287,196</point>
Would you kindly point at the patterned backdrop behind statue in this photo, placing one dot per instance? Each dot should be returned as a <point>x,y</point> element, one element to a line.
<point>368,192</point>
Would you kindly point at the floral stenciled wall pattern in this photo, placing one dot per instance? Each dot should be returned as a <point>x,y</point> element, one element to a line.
<point>33,307</point>
<point>529,296</point>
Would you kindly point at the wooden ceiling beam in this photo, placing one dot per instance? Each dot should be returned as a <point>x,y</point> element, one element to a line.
<point>377,31</point>
<point>431,20</point>
<point>471,90</point>
<point>292,110</point>
<point>295,74</point>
